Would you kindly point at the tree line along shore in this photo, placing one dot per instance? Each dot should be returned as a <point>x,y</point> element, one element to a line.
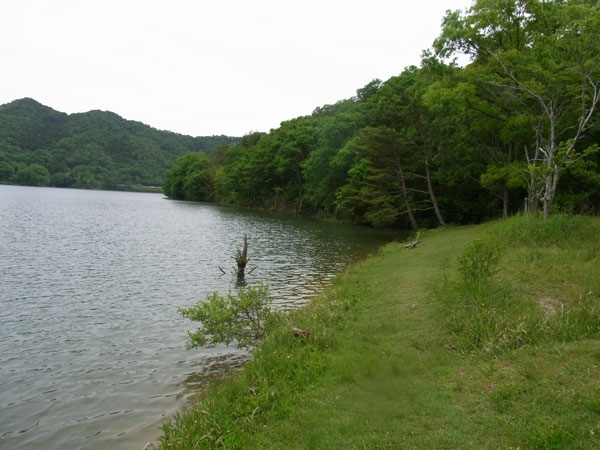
<point>515,129</point>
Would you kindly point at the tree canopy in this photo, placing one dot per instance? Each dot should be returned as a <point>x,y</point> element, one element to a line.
<point>443,143</point>
<point>190,178</point>
<point>543,58</point>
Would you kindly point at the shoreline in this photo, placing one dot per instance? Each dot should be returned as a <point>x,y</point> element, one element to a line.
<point>383,369</point>
<point>222,375</point>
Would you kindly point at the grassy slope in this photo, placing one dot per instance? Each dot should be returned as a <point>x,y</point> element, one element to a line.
<point>384,368</point>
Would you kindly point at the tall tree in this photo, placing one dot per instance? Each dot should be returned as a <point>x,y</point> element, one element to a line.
<point>377,191</point>
<point>400,105</point>
<point>323,172</point>
<point>293,142</point>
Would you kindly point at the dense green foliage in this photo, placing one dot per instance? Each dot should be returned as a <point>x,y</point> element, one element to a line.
<point>539,59</point>
<point>241,319</point>
<point>406,351</point>
<point>190,178</point>
<point>43,147</point>
<point>442,143</point>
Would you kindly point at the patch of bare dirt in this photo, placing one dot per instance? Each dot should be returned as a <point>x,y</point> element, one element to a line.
<point>550,305</point>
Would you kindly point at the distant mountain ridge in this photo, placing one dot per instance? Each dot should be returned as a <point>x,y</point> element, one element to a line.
<point>94,150</point>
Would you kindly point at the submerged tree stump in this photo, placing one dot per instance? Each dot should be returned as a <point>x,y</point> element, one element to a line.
<point>241,258</point>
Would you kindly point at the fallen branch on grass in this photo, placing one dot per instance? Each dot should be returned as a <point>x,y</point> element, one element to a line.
<point>414,243</point>
<point>300,333</point>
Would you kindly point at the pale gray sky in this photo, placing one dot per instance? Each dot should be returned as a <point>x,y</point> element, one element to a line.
<point>208,67</point>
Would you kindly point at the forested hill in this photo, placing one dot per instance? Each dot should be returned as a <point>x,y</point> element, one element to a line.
<point>94,150</point>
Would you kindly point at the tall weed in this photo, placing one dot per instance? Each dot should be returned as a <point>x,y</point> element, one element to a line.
<point>479,263</point>
<point>580,319</point>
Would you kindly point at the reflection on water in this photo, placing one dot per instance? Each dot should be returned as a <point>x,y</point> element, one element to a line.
<point>91,346</point>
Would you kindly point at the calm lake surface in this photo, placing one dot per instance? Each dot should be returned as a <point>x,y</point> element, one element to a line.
<point>92,350</point>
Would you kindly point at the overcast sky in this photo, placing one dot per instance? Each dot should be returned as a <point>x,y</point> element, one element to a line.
<point>208,67</point>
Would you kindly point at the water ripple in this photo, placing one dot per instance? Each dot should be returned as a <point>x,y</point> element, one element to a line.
<point>91,346</point>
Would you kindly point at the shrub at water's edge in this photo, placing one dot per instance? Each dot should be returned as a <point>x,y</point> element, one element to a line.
<point>241,319</point>
<point>282,368</point>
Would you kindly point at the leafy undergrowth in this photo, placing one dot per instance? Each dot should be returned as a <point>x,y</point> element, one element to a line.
<point>481,337</point>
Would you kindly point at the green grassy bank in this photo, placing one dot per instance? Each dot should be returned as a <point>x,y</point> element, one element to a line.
<point>481,337</point>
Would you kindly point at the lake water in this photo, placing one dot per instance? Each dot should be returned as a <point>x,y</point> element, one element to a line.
<point>92,350</point>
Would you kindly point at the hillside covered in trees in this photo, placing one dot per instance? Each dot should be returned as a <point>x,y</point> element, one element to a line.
<point>94,150</point>
<point>515,129</point>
